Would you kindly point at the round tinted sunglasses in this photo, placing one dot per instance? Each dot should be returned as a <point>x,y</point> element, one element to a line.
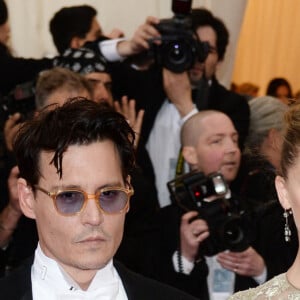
<point>110,200</point>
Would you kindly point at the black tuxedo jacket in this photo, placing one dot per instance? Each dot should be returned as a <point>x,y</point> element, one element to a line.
<point>146,87</point>
<point>17,286</point>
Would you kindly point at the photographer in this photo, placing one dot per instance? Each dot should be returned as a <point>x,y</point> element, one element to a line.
<point>210,144</point>
<point>169,98</point>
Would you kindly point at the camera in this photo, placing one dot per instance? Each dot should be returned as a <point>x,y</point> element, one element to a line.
<point>21,99</point>
<point>228,225</point>
<point>179,46</point>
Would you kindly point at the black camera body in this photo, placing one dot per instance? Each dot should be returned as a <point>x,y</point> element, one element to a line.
<point>228,226</point>
<point>179,46</point>
<point>21,99</point>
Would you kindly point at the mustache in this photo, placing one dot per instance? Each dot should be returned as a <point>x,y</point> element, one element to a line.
<point>94,232</point>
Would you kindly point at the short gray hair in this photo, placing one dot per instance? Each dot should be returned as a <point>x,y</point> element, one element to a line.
<point>266,112</point>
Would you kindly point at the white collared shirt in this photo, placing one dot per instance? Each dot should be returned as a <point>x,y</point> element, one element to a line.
<point>163,147</point>
<point>51,282</point>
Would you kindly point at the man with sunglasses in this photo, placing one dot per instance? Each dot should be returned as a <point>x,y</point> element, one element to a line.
<point>74,162</point>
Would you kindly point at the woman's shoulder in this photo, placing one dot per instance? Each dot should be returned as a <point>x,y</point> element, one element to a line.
<point>278,288</point>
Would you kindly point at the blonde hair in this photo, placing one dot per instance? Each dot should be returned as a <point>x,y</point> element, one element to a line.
<point>291,142</point>
<point>266,113</point>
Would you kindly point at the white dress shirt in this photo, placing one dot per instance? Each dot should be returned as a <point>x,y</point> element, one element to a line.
<point>51,282</point>
<point>163,147</point>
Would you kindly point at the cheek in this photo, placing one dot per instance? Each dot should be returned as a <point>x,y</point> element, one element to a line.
<point>114,228</point>
<point>211,161</point>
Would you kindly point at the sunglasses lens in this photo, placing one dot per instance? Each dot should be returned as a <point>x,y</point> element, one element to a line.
<point>113,201</point>
<point>69,202</point>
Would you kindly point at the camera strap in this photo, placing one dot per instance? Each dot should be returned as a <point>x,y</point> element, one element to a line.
<point>180,164</point>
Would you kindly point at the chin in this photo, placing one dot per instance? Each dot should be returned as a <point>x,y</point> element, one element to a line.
<point>230,177</point>
<point>96,263</point>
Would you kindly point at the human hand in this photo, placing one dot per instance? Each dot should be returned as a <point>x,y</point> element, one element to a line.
<point>178,90</point>
<point>135,120</point>
<point>139,41</point>
<point>115,34</point>
<point>11,213</point>
<point>192,233</point>
<point>11,128</point>
<point>246,263</point>
<point>13,191</point>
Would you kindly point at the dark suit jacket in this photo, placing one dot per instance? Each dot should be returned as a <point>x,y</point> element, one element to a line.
<point>17,286</point>
<point>15,70</point>
<point>147,88</point>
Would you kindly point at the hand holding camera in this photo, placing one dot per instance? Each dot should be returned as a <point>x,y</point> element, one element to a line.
<point>228,226</point>
<point>245,263</point>
<point>192,233</point>
<point>178,90</point>
<point>170,43</point>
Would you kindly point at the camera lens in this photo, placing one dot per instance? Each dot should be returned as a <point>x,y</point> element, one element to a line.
<point>233,233</point>
<point>176,53</point>
<point>177,56</point>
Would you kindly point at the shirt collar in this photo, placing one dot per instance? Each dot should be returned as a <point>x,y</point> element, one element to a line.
<point>49,276</point>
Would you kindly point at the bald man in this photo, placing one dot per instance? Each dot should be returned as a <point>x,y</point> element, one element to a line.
<point>210,144</point>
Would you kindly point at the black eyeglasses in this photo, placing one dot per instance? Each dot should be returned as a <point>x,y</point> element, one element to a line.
<point>110,200</point>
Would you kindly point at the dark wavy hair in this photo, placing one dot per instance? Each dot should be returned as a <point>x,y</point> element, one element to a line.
<point>78,122</point>
<point>3,12</point>
<point>203,17</point>
<point>275,83</point>
<point>70,22</point>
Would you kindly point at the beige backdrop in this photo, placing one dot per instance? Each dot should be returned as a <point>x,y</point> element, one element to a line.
<point>269,44</point>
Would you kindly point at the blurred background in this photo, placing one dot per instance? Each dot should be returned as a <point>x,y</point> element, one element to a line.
<point>263,34</point>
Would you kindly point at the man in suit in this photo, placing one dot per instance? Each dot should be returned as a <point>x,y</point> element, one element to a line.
<point>186,93</point>
<point>210,144</point>
<point>74,164</point>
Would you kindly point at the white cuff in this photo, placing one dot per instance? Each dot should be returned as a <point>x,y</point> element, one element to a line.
<point>187,266</point>
<point>109,49</point>
<point>262,277</point>
<point>190,114</point>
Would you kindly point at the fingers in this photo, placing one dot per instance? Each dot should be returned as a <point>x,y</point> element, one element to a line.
<point>127,109</point>
<point>192,233</point>
<point>13,191</point>
<point>197,229</point>
<point>186,218</point>
<point>12,121</point>
<point>246,263</point>
<point>145,32</point>
<point>11,128</point>
<point>116,33</point>
<point>139,121</point>
<point>229,262</point>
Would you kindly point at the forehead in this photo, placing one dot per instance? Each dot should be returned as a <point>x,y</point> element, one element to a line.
<point>217,124</point>
<point>207,34</point>
<point>99,76</point>
<point>84,164</point>
<point>60,96</point>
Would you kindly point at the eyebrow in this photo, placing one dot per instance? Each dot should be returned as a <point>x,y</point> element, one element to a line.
<point>223,134</point>
<point>78,187</point>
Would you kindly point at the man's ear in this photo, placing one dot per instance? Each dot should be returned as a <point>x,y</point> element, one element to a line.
<point>282,192</point>
<point>189,154</point>
<point>76,42</point>
<point>26,198</point>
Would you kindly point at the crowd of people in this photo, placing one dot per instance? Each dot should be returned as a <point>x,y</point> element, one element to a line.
<point>193,186</point>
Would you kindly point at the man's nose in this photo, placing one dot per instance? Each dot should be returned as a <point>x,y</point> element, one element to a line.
<point>91,213</point>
